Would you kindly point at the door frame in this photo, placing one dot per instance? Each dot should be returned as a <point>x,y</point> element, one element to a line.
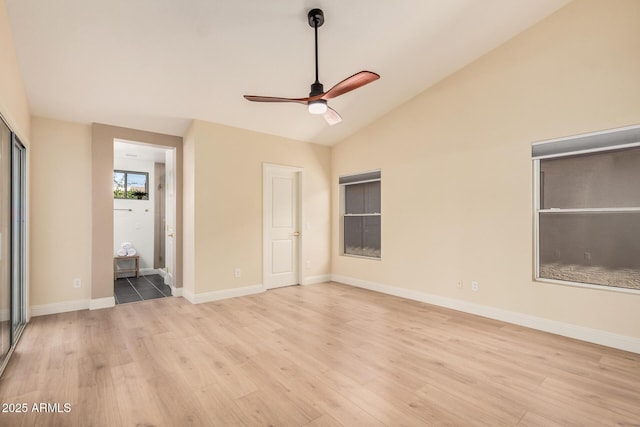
<point>16,242</point>
<point>170,207</point>
<point>19,294</point>
<point>267,168</point>
<point>102,137</point>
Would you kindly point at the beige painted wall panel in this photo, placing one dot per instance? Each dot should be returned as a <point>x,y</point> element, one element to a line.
<point>228,203</point>
<point>188,209</point>
<point>60,234</point>
<point>14,106</point>
<point>457,170</point>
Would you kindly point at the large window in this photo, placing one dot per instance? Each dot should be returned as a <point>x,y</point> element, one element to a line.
<point>361,214</point>
<point>130,185</point>
<point>588,209</point>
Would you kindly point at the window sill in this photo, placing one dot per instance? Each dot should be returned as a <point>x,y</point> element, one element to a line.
<point>362,257</point>
<point>588,285</point>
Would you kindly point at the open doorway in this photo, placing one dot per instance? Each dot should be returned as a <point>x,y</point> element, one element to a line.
<point>144,206</point>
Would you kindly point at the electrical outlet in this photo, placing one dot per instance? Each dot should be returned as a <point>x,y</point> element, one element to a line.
<point>77,283</point>
<point>475,287</point>
<point>238,272</point>
<point>587,256</point>
<point>459,284</point>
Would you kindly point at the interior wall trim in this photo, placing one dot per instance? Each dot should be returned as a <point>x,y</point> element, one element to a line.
<point>59,307</point>
<point>96,304</point>
<point>313,280</point>
<point>199,298</point>
<point>595,336</point>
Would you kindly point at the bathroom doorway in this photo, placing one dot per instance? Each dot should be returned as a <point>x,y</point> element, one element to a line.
<point>144,206</point>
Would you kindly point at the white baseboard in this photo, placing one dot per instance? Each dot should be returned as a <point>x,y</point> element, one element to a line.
<point>66,306</point>
<point>148,271</point>
<point>224,294</point>
<point>96,304</point>
<point>312,280</point>
<point>59,307</point>
<point>582,333</point>
<point>176,292</point>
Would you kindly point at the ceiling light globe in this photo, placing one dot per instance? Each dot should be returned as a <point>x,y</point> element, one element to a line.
<point>318,107</point>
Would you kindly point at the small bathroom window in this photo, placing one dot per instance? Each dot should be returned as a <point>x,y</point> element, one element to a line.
<point>130,185</point>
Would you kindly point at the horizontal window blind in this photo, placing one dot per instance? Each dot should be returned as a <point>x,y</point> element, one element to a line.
<point>361,214</point>
<point>597,141</point>
<point>361,177</point>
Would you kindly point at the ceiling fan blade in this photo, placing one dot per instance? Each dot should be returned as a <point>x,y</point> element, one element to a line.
<point>350,83</point>
<point>275,99</point>
<point>332,117</point>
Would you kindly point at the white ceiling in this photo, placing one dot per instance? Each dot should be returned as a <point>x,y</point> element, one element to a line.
<point>156,64</point>
<point>131,150</point>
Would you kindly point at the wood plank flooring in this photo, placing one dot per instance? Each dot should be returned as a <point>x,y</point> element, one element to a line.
<point>321,355</point>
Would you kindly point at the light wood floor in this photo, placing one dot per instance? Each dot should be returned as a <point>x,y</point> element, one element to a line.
<point>321,355</point>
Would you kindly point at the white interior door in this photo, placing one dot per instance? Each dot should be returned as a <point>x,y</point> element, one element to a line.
<point>281,222</point>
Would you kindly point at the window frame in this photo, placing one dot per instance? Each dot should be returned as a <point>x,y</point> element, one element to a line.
<point>130,172</point>
<point>583,144</point>
<point>367,176</point>
<point>15,170</point>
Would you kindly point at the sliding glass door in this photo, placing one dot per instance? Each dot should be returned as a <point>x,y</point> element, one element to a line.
<point>12,241</point>
<point>18,247</point>
<point>5,241</point>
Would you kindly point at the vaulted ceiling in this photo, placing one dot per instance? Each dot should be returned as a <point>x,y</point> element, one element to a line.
<point>157,64</point>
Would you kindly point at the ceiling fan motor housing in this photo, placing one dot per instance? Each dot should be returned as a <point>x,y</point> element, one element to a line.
<point>316,89</point>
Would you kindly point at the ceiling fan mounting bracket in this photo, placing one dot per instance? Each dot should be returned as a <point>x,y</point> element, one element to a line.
<point>316,18</point>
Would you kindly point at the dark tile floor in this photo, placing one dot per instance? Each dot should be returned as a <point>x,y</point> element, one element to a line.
<point>132,289</point>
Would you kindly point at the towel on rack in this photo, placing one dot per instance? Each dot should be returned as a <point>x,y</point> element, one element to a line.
<point>121,252</point>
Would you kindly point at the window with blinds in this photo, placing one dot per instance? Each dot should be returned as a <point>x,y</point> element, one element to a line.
<point>361,214</point>
<point>587,209</point>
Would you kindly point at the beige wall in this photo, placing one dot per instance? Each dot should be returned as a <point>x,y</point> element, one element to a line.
<point>14,106</point>
<point>14,109</point>
<point>188,211</point>
<point>60,238</point>
<point>457,171</point>
<point>224,210</point>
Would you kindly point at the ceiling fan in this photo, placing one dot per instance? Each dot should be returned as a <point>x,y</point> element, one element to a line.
<point>317,99</point>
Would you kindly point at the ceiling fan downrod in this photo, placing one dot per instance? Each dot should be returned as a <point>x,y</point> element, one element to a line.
<point>316,19</point>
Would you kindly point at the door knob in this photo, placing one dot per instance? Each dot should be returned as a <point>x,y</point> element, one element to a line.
<point>170,235</point>
<point>296,233</point>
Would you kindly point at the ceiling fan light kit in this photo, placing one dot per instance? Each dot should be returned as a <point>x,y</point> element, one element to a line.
<point>318,107</point>
<point>317,99</point>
